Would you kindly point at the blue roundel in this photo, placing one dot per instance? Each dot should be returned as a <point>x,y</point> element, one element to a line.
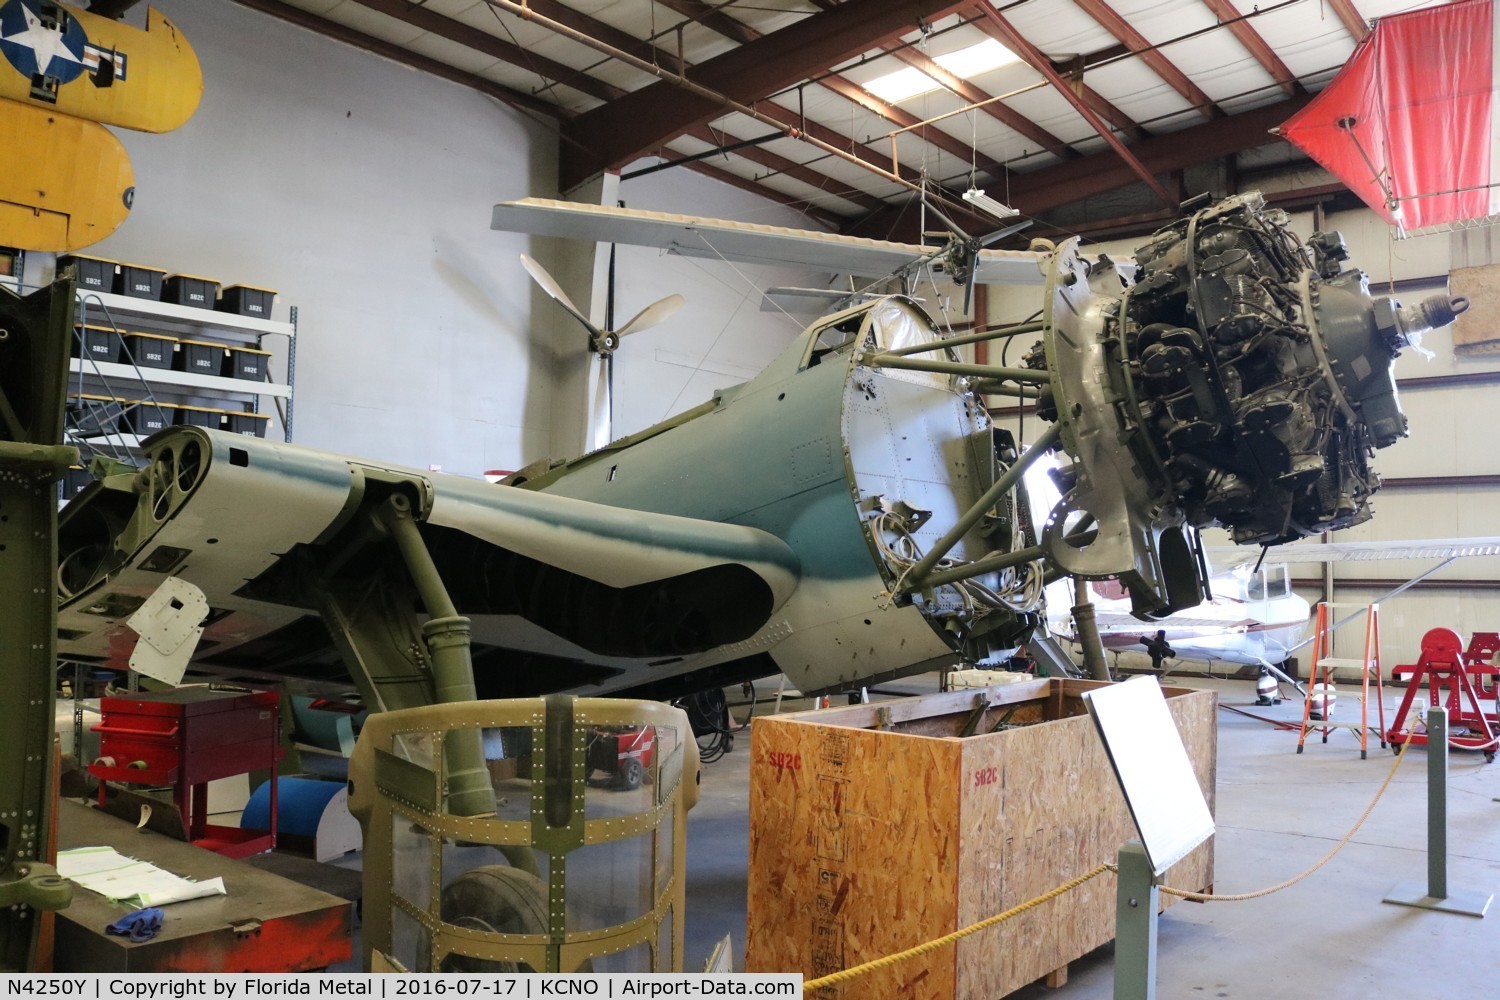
<point>35,48</point>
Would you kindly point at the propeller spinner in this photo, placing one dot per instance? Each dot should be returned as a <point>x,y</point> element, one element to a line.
<point>602,345</point>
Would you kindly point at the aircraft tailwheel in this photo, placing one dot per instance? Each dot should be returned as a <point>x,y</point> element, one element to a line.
<point>495,899</point>
<point>632,774</point>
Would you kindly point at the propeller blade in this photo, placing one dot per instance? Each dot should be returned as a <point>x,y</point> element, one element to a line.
<point>551,287</point>
<point>1009,230</point>
<point>656,312</point>
<point>599,401</point>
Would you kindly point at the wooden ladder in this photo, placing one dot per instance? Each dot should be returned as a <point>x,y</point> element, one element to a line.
<point>1322,680</point>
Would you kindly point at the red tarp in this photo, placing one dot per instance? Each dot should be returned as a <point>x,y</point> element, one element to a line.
<point>1406,124</point>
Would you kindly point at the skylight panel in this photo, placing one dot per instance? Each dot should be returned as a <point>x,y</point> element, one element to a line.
<point>976,59</point>
<point>900,85</point>
<point>964,64</point>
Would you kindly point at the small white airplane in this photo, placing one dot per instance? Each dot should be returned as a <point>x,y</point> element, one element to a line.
<point>1254,617</point>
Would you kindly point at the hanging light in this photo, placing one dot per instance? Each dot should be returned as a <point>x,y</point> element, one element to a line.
<point>980,200</point>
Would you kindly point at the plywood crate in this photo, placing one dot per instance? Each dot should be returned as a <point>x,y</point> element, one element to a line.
<point>875,828</point>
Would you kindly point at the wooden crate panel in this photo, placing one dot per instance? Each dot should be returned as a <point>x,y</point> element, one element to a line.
<point>828,792</point>
<point>875,828</point>
<point>1042,806</point>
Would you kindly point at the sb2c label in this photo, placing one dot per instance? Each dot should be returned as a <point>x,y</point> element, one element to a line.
<point>986,776</point>
<point>783,761</point>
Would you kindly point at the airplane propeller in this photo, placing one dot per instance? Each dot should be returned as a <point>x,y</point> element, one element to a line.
<point>962,253</point>
<point>602,345</point>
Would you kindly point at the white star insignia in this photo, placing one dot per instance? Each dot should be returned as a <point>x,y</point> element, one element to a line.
<point>44,43</point>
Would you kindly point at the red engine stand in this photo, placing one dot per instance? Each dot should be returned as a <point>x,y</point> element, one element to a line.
<point>1459,680</point>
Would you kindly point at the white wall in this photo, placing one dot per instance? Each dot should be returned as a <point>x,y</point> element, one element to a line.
<point>361,190</point>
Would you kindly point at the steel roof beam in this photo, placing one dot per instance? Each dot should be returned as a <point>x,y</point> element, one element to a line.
<point>653,53</point>
<point>1135,42</point>
<point>822,215</point>
<point>1041,191</point>
<point>482,41</point>
<point>963,88</point>
<point>793,169</point>
<point>957,148</point>
<point>1356,25</point>
<point>852,92</point>
<point>847,89</point>
<point>406,57</point>
<point>642,119</point>
<point>1013,40</point>
<point>549,70</point>
<point>1250,39</point>
<point>713,19</point>
<point>606,32</point>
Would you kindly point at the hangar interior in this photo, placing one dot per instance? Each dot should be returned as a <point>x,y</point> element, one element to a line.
<point>346,158</point>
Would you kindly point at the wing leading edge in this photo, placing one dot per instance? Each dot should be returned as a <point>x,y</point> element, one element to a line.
<point>691,236</point>
<point>1224,557</point>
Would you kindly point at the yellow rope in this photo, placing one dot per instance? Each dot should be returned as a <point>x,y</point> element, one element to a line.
<point>1204,897</point>
<point>880,963</point>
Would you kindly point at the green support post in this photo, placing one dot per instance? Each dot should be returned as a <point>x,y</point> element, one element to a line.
<point>1136,899</point>
<point>446,634</point>
<point>1435,895</point>
<point>34,335</point>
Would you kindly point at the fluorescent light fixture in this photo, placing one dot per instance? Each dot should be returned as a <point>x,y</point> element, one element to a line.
<point>964,64</point>
<point>980,200</point>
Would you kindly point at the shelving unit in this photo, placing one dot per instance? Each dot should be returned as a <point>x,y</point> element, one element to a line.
<point>112,385</point>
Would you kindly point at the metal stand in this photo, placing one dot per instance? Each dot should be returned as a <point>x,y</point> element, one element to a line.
<point>1136,899</point>
<point>1435,895</point>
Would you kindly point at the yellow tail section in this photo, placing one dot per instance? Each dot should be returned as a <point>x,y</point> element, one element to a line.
<point>64,183</point>
<point>75,63</point>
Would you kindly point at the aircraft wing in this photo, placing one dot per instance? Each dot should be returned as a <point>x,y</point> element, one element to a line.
<point>1118,629</point>
<point>691,236</point>
<point>609,582</point>
<point>1222,557</point>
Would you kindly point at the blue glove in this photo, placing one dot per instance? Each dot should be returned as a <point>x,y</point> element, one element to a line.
<point>139,926</point>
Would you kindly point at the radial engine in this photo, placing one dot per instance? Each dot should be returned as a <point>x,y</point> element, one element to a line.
<point>1230,375</point>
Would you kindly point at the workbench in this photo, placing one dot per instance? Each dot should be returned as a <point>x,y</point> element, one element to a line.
<point>265,923</point>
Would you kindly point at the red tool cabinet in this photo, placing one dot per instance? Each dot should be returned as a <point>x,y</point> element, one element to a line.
<point>186,738</point>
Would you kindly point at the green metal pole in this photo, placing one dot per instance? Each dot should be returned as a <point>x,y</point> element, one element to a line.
<point>1435,895</point>
<point>978,337</point>
<point>1088,632</point>
<point>1031,376</point>
<point>989,564</point>
<point>35,332</point>
<point>1135,925</point>
<point>470,791</point>
<point>1437,802</point>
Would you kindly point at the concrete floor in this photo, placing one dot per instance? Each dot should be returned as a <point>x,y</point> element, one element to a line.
<point>1278,813</point>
